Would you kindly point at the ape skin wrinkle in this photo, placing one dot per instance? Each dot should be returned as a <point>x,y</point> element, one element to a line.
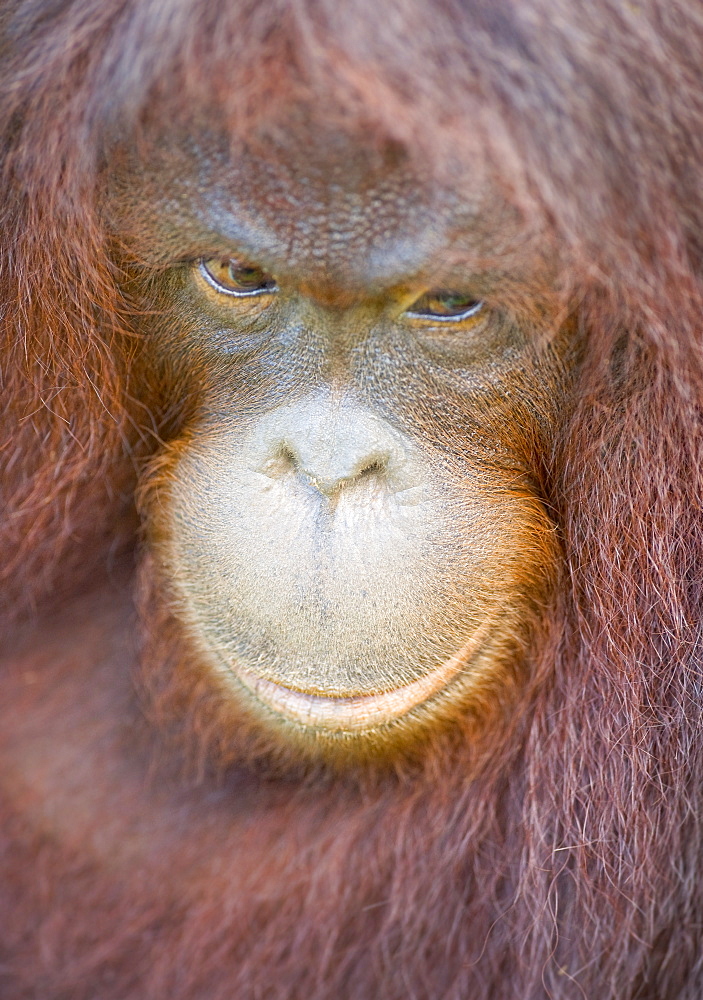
<point>362,712</point>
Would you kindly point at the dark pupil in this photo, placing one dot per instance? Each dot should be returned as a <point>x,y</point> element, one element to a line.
<point>248,279</point>
<point>441,304</point>
<point>447,304</point>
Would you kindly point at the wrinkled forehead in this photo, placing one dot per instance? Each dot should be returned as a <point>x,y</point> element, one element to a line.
<point>306,193</point>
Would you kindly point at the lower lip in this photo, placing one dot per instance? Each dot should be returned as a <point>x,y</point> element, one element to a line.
<point>359,712</point>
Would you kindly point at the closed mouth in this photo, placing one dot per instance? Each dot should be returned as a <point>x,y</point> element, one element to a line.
<point>356,713</point>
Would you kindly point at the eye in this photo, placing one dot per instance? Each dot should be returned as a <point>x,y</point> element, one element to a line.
<point>235,277</point>
<point>445,306</point>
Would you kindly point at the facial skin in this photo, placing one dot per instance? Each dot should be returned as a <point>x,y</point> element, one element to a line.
<point>344,512</point>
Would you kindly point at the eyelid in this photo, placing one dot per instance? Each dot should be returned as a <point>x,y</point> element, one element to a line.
<point>474,307</point>
<point>462,317</point>
<point>233,292</point>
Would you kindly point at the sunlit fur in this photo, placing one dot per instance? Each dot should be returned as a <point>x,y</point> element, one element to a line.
<point>558,853</point>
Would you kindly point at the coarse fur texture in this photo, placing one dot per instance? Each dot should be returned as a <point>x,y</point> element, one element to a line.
<point>559,853</point>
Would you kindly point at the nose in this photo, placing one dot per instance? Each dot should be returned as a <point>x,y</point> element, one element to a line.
<point>333,445</point>
<point>329,472</point>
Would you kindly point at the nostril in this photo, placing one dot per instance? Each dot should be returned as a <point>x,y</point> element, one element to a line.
<point>282,463</point>
<point>375,468</point>
<point>288,458</point>
<point>333,481</point>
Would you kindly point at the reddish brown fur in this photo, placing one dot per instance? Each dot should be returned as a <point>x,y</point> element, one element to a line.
<point>561,855</point>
